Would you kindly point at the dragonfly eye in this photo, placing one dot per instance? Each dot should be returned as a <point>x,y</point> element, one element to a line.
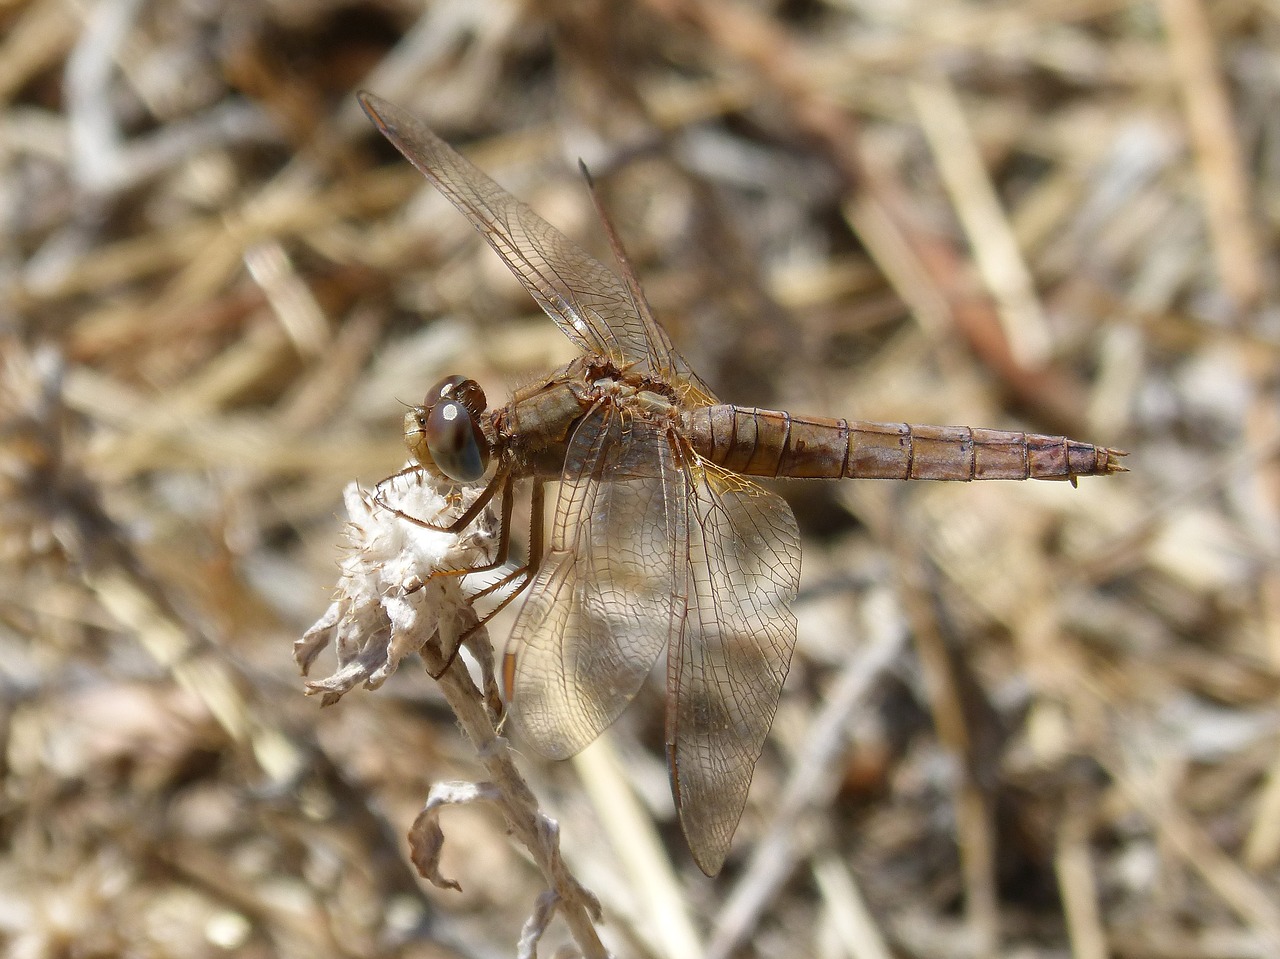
<point>444,434</point>
<point>459,388</point>
<point>455,441</point>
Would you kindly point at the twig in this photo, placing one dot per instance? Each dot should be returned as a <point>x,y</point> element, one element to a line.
<point>995,248</point>
<point>854,923</point>
<point>537,832</point>
<point>1076,878</point>
<point>376,620</point>
<point>1222,177</point>
<point>639,849</point>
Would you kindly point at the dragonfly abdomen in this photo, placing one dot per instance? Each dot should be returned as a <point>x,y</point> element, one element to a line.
<point>759,442</point>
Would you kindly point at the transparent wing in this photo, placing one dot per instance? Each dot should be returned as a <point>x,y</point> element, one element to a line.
<point>676,370</point>
<point>611,588</point>
<point>586,299</point>
<point>725,674</point>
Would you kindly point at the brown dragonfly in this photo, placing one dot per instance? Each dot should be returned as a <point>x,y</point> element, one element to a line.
<point>658,540</point>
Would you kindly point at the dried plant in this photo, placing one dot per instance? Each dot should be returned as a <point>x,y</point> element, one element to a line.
<point>396,597</point>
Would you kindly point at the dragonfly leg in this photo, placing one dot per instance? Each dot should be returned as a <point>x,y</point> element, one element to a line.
<point>404,472</point>
<point>537,538</point>
<point>462,522</point>
<point>524,573</point>
<point>378,498</point>
<point>504,532</point>
<point>531,565</point>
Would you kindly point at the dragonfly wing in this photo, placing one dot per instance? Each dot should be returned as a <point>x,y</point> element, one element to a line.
<point>664,357</point>
<point>586,299</point>
<point>725,674</point>
<point>609,592</point>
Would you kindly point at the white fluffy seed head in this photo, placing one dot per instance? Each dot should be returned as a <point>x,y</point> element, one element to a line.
<point>382,611</point>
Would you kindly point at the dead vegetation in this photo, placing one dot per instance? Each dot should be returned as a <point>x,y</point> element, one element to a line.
<point>1023,720</point>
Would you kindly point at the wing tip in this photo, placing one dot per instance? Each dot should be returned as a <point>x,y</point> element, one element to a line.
<point>708,851</point>
<point>369,102</point>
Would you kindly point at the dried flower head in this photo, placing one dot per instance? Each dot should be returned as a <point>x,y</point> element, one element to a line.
<point>388,603</point>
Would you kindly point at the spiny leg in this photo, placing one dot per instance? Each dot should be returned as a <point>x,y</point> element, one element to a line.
<point>500,557</point>
<point>530,568</point>
<point>537,539</point>
<point>462,522</point>
<point>504,533</point>
<point>412,470</point>
<point>524,573</point>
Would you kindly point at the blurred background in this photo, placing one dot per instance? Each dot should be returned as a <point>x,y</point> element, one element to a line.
<point>1022,720</point>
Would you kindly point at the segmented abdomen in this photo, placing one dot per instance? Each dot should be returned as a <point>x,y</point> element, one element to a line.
<point>759,442</point>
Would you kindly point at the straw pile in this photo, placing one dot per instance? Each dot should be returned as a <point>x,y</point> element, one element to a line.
<point>1022,720</point>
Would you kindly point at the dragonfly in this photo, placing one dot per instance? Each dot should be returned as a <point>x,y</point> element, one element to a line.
<point>658,539</point>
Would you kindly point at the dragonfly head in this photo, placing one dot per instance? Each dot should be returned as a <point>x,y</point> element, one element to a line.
<point>444,434</point>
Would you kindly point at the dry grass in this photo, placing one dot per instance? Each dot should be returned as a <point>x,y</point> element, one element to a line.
<point>1022,720</point>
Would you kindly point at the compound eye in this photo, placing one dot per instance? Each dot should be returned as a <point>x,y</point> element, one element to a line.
<point>455,441</point>
<point>459,388</point>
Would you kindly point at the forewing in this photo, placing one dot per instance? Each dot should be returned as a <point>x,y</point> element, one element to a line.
<point>587,300</point>
<point>675,369</point>
<point>610,590</point>
<point>725,674</point>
